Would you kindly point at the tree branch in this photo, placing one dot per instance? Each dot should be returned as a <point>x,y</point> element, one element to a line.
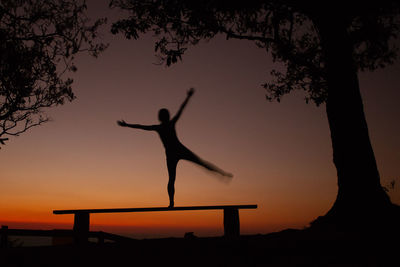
<point>230,34</point>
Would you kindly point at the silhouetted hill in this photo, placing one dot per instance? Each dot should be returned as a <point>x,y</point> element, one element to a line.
<point>286,248</point>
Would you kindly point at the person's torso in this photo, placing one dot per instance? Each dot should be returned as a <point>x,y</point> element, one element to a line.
<point>168,136</point>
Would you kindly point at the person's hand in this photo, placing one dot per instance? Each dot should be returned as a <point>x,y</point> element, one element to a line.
<point>121,123</point>
<point>190,92</point>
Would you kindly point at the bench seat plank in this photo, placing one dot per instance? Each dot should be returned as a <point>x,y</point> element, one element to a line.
<point>220,207</point>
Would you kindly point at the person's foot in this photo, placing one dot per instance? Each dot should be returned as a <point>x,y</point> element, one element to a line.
<point>225,177</point>
<point>171,205</point>
<point>227,174</point>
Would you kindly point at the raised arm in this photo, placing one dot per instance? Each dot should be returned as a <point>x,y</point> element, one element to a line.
<point>189,95</point>
<point>122,123</point>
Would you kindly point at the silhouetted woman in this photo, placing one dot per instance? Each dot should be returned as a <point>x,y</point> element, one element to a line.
<point>173,147</point>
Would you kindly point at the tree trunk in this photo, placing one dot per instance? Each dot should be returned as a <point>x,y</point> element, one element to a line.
<point>361,198</point>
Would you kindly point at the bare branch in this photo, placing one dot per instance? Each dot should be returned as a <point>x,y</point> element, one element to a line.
<point>38,41</point>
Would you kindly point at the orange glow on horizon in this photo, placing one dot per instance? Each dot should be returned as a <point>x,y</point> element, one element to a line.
<point>152,224</point>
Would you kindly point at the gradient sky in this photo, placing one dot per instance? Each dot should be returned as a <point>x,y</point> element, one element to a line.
<point>280,153</point>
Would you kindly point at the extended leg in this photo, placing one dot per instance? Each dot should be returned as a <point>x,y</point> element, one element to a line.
<point>171,164</point>
<point>189,155</point>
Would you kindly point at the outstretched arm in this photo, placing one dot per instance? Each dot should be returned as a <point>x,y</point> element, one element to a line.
<point>122,123</point>
<point>189,95</point>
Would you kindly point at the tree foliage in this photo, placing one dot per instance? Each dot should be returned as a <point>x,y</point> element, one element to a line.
<point>283,28</point>
<point>38,42</point>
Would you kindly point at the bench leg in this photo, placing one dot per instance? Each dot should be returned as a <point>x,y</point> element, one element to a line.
<point>81,227</point>
<point>4,236</point>
<point>231,222</point>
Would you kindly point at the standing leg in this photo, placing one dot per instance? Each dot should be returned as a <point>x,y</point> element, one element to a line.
<point>171,164</point>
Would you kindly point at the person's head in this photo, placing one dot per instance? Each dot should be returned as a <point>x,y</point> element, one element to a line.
<point>163,115</point>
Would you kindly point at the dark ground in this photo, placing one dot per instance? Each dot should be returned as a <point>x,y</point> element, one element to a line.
<point>286,248</point>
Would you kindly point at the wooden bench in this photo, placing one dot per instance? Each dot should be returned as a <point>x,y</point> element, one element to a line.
<point>82,217</point>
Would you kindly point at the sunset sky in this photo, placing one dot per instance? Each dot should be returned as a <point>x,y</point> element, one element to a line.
<point>280,153</point>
